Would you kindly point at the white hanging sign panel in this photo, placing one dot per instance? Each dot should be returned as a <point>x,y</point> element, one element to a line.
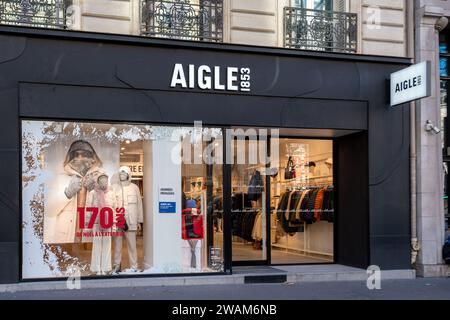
<point>411,84</point>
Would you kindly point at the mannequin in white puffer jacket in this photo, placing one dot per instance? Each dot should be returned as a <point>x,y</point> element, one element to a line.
<point>101,197</point>
<point>129,198</point>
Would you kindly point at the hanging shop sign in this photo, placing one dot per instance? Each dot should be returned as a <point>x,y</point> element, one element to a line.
<point>411,84</point>
<point>167,201</point>
<point>211,78</point>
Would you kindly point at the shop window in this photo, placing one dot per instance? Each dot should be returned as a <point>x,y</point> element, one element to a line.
<point>328,5</point>
<point>322,25</point>
<point>116,199</point>
<point>302,202</point>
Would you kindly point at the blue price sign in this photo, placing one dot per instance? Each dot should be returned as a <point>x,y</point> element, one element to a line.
<point>167,207</point>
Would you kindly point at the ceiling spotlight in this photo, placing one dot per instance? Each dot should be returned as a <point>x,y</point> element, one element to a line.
<point>127,141</point>
<point>123,148</point>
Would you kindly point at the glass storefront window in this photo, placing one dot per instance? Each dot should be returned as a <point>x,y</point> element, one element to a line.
<point>113,199</point>
<point>302,202</point>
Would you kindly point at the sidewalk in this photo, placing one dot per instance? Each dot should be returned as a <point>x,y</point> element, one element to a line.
<point>415,289</point>
<point>240,276</point>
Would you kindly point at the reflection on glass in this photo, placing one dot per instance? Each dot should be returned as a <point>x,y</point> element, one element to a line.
<point>443,64</point>
<point>315,4</point>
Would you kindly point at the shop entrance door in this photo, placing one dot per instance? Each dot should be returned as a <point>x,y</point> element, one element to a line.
<point>248,203</point>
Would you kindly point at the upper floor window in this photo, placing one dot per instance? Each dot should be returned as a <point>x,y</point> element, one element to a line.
<point>321,25</point>
<point>327,5</point>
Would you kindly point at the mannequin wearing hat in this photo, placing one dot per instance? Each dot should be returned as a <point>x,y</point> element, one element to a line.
<point>129,198</point>
<point>81,164</point>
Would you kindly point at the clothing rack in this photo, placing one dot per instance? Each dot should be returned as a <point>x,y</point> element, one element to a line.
<point>296,184</point>
<point>244,189</point>
<point>261,209</point>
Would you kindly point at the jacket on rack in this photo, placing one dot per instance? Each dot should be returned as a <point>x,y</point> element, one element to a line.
<point>255,187</point>
<point>218,207</point>
<point>306,206</point>
<point>257,233</point>
<point>286,212</point>
<point>318,203</point>
<point>239,204</point>
<point>244,223</point>
<point>290,223</point>
<point>282,205</point>
<point>328,205</point>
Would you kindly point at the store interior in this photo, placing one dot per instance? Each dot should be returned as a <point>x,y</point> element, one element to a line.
<point>303,233</point>
<point>301,204</point>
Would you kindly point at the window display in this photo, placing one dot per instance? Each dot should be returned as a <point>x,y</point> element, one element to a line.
<point>112,199</point>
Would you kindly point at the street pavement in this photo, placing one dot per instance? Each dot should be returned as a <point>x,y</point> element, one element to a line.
<point>417,289</point>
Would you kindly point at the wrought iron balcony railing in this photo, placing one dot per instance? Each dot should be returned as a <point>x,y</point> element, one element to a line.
<point>200,20</point>
<point>320,30</point>
<point>34,13</point>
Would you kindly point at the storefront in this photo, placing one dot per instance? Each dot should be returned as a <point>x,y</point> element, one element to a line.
<point>124,156</point>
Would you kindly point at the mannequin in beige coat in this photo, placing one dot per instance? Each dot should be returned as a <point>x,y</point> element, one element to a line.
<point>129,198</point>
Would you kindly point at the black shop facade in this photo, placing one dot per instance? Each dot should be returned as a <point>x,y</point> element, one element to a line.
<point>127,157</point>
